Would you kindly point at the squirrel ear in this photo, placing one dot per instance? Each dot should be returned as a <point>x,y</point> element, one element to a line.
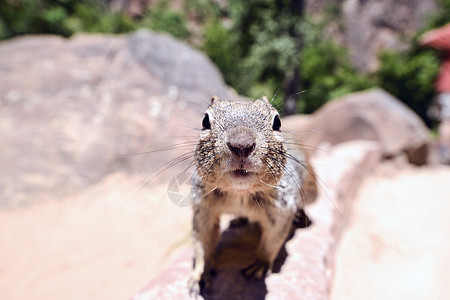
<point>214,98</point>
<point>265,99</point>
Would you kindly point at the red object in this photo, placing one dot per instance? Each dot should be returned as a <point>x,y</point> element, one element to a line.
<point>443,81</point>
<point>440,39</point>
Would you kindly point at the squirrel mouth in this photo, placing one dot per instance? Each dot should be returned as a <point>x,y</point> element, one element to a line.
<point>241,173</point>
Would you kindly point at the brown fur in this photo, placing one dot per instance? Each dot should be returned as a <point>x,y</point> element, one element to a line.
<point>246,168</point>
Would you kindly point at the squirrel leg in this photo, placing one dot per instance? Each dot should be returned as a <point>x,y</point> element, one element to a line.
<point>275,230</point>
<point>206,233</point>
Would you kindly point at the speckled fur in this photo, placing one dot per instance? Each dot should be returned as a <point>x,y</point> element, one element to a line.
<point>279,183</point>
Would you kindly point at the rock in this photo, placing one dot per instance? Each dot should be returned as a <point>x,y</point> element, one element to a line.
<point>105,242</point>
<point>372,115</point>
<point>367,27</point>
<point>72,110</point>
<point>371,26</point>
<point>304,268</point>
<point>396,243</point>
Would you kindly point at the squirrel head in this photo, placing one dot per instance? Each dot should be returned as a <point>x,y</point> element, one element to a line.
<point>241,146</point>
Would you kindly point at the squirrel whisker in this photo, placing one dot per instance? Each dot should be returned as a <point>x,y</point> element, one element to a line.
<point>273,186</point>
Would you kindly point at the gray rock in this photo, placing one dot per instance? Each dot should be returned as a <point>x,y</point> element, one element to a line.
<point>366,27</point>
<point>370,115</point>
<point>73,109</point>
<point>371,26</point>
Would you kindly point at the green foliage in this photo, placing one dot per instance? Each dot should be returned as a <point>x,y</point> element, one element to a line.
<point>442,17</point>
<point>3,30</point>
<point>64,17</point>
<point>220,45</point>
<point>410,76</point>
<point>326,74</point>
<point>333,10</point>
<point>203,11</point>
<point>93,17</point>
<point>264,48</point>
<point>161,18</point>
<point>267,39</point>
<point>19,17</point>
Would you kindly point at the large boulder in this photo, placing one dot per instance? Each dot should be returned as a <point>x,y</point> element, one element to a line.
<point>72,110</point>
<point>371,115</point>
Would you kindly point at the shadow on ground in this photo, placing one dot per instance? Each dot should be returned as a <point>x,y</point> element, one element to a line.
<point>236,248</point>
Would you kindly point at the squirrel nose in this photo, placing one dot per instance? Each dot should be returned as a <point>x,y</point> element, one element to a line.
<point>241,149</point>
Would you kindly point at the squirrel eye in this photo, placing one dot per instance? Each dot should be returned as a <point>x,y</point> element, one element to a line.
<point>205,123</point>
<point>276,123</point>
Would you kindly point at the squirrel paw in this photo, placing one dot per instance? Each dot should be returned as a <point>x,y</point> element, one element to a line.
<point>257,269</point>
<point>198,285</point>
<point>194,286</point>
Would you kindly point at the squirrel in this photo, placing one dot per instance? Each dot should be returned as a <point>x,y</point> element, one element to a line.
<point>247,167</point>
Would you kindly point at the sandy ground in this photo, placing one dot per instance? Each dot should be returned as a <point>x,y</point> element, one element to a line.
<point>397,244</point>
<point>103,244</point>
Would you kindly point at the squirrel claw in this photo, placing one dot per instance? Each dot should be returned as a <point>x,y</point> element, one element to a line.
<point>258,269</point>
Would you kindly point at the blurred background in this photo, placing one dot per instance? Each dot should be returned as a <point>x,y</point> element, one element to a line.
<point>327,48</point>
<point>101,104</point>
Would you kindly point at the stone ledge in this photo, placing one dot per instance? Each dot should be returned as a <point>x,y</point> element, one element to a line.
<point>308,268</point>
